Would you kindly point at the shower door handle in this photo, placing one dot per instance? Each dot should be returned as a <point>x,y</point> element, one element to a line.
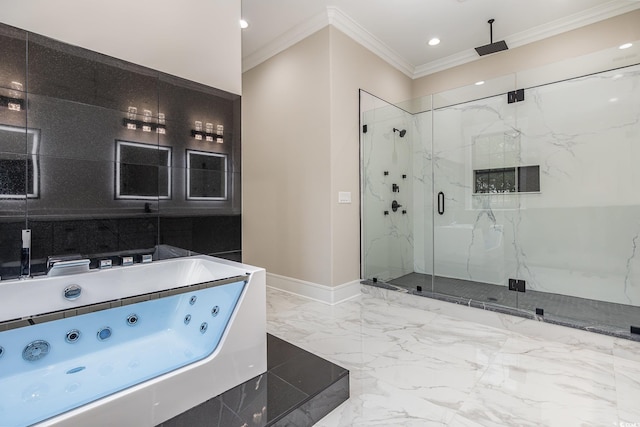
<point>441,203</point>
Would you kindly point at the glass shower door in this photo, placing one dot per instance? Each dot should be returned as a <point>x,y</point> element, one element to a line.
<point>387,233</point>
<point>476,155</point>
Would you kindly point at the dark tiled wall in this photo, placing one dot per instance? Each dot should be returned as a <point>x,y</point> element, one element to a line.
<point>74,102</point>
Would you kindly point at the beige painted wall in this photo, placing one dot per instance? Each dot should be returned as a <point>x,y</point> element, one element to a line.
<point>165,35</point>
<point>572,44</point>
<point>352,68</point>
<point>286,162</point>
<point>300,148</point>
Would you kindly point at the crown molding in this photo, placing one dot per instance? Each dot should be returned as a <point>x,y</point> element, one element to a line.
<point>341,21</point>
<point>582,19</point>
<point>286,40</point>
<point>445,63</point>
<point>355,31</point>
<point>590,16</point>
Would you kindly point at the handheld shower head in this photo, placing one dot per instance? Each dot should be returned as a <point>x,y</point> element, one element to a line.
<point>402,132</point>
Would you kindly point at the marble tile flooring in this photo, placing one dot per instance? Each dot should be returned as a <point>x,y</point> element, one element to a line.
<point>421,362</point>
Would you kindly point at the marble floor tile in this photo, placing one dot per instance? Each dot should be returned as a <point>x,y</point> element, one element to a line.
<point>532,382</point>
<point>418,365</point>
<point>627,375</point>
<point>374,402</point>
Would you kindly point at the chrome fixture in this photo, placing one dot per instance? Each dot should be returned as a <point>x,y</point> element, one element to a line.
<point>126,260</point>
<point>62,266</point>
<point>25,254</point>
<point>193,300</point>
<point>132,319</point>
<point>72,292</point>
<point>215,310</point>
<point>105,263</point>
<point>203,327</point>
<point>36,350</point>
<point>72,336</point>
<point>146,258</point>
<point>187,319</point>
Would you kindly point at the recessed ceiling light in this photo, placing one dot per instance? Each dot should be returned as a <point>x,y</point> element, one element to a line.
<point>481,82</point>
<point>625,46</point>
<point>243,24</point>
<point>434,41</point>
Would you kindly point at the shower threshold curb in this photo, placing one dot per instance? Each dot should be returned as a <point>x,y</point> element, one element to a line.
<point>497,308</point>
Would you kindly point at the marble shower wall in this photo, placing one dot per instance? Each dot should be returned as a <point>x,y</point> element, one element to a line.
<point>579,234</point>
<point>388,245</point>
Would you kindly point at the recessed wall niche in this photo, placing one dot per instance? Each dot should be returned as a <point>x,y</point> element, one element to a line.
<point>73,189</point>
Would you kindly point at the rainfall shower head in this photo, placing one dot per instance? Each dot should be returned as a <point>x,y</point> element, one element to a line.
<point>402,132</point>
<point>492,47</point>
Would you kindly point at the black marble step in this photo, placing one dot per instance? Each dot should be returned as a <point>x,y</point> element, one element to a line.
<point>298,389</point>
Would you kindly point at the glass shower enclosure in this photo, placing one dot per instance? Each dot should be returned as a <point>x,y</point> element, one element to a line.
<point>522,194</point>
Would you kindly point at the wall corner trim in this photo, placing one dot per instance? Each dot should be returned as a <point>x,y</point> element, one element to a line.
<point>325,294</point>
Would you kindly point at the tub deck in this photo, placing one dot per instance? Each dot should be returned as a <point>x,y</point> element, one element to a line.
<point>299,389</point>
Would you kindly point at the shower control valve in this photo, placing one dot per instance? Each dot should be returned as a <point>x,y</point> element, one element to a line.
<point>395,205</point>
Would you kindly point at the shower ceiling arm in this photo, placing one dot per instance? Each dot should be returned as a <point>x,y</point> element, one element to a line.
<point>491,21</point>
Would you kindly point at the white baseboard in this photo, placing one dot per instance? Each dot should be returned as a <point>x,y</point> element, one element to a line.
<point>326,294</point>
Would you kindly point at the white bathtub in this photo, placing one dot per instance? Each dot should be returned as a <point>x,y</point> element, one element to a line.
<point>182,350</point>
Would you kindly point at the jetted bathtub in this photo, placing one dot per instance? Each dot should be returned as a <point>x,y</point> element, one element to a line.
<point>128,346</point>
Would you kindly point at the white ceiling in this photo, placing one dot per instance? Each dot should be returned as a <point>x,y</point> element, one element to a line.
<point>398,30</point>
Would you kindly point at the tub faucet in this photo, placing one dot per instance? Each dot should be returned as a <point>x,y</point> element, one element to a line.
<point>64,265</point>
<point>25,254</point>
